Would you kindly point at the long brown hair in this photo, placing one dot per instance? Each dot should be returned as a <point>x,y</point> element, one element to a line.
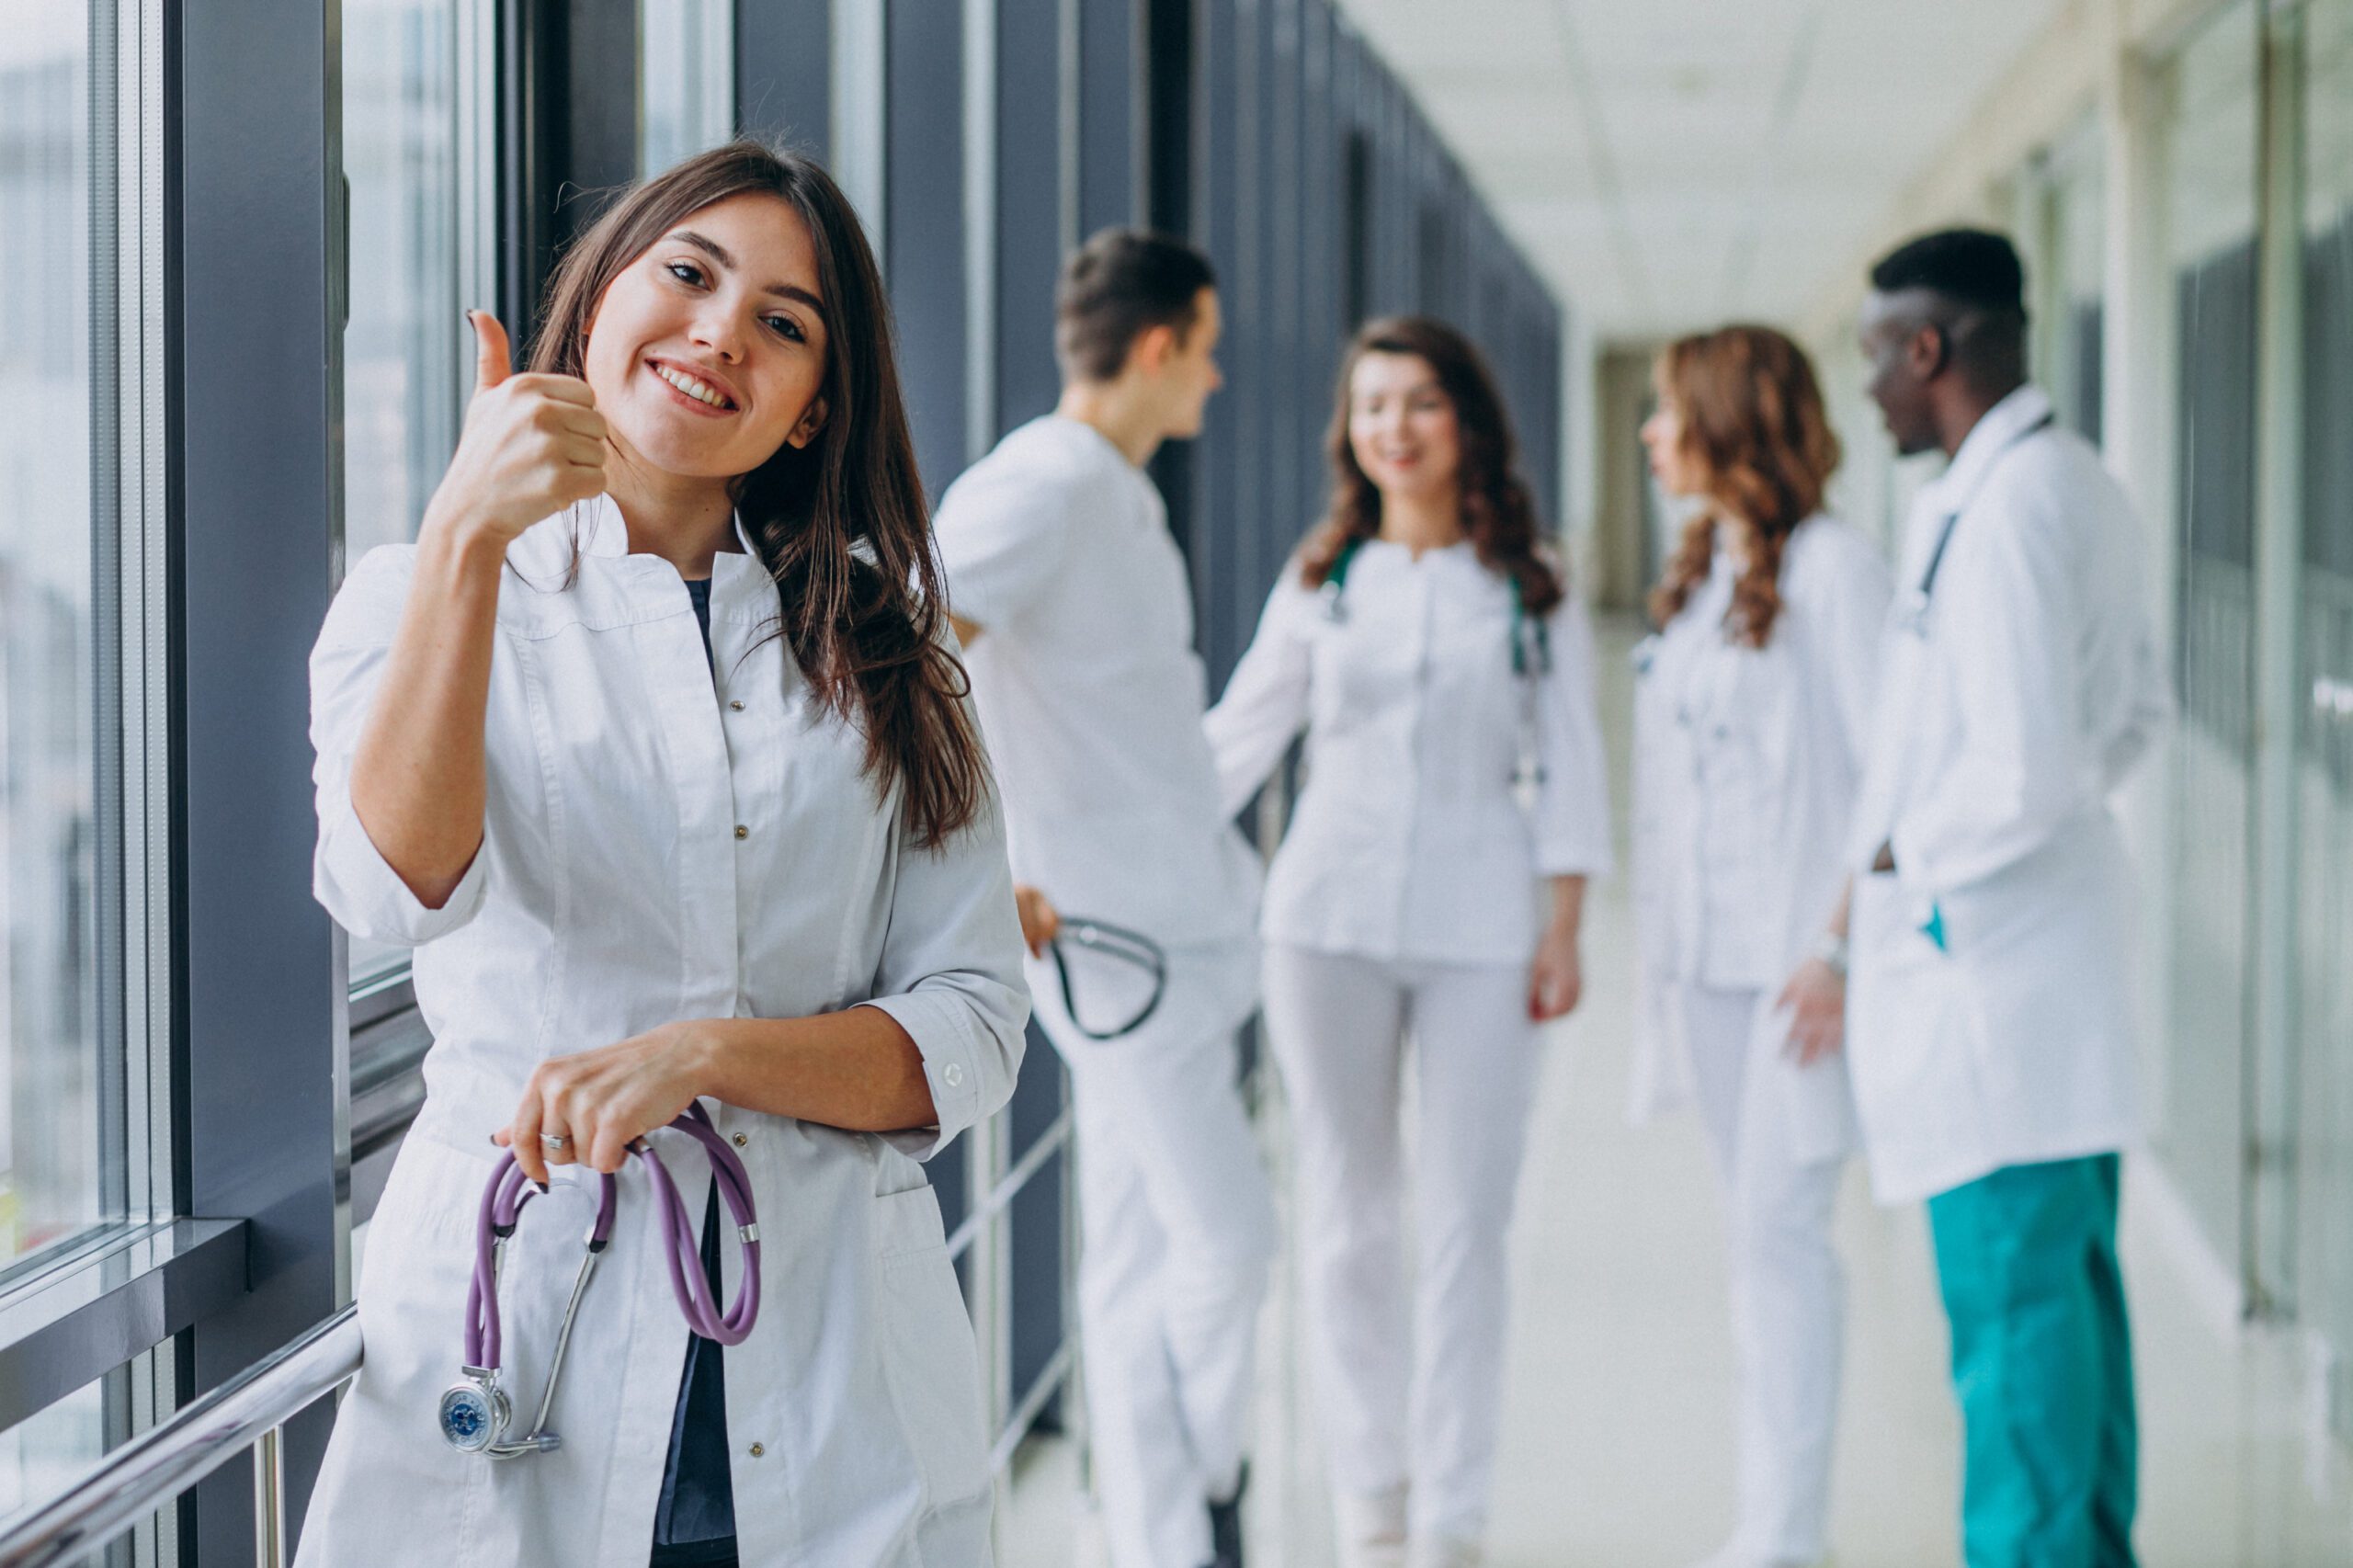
<point>841,525</point>
<point>1755,432</point>
<point>1498,512</point>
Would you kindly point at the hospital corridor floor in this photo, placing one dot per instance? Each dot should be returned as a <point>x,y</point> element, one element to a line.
<point>1616,1447</point>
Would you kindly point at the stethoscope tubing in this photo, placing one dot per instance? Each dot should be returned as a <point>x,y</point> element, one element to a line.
<point>1113,942</point>
<point>508,1190</point>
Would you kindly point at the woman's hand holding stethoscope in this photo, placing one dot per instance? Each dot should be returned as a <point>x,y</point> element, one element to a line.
<point>588,1108</point>
<point>532,445</point>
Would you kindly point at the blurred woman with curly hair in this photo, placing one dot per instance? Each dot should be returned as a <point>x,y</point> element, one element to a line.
<point>1750,720</point>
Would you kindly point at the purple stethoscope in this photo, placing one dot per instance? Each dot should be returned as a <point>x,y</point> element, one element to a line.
<point>474,1413</point>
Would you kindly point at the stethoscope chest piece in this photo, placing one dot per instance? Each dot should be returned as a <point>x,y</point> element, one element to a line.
<point>474,1413</point>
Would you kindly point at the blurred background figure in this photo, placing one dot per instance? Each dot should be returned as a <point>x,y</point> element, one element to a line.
<point>1430,888</point>
<point>1071,597</point>
<point>1749,727</point>
<point>1994,1010</point>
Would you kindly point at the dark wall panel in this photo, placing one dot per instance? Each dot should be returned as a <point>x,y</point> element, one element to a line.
<point>923,234</point>
<point>783,71</point>
<point>1028,206</point>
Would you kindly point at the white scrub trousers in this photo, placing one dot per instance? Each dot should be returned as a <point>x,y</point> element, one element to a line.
<point>1406,1407</point>
<point>1788,1292</point>
<point>1177,1235</point>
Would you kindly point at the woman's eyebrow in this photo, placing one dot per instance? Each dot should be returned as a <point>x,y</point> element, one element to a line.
<point>721,254</point>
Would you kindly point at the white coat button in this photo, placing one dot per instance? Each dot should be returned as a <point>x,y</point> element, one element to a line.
<point>953,1073</point>
<point>743,832</point>
<point>758,1450</point>
<point>741,1140</point>
<point>736,705</point>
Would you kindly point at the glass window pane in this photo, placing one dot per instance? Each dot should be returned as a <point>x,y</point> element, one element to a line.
<point>2211,158</point>
<point>60,1106</point>
<point>402,351</point>
<point>2324,760</point>
<point>689,74</point>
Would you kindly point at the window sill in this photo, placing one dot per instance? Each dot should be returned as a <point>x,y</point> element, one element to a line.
<point>69,1324</point>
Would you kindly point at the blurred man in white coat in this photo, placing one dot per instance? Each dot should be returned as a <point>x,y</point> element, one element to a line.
<point>1074,602</point>
<point>1993,1034</point>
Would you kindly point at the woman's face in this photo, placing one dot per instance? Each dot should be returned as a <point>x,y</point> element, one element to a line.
<point>707,353</point>
<point>1663,437</point>
<point>1402,426</point>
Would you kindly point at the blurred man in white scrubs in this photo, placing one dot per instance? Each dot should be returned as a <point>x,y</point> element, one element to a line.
<point>1993,1009</point>
<point>1075,604</point>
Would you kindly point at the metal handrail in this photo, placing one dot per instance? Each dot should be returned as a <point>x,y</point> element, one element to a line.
<point>158,1465</point>
<point>1056,1134</point>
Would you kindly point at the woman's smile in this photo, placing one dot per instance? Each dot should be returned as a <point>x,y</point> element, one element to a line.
<point>701,391</point>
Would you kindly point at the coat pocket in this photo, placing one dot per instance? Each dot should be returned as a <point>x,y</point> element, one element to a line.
<point>928,1359</point>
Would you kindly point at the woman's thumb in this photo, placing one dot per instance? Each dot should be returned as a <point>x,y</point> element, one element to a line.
<point>492,365</point>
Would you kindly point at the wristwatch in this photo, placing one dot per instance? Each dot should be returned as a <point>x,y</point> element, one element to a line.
<point>1831,948</point>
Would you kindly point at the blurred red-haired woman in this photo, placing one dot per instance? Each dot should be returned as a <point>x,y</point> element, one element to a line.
<point>1750,720</point>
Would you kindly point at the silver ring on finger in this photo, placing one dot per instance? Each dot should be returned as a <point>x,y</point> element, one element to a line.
<point>554,1142</point>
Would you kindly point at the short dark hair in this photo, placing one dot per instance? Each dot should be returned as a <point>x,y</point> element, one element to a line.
<point>1974,267</point>
<point>1119,285</point>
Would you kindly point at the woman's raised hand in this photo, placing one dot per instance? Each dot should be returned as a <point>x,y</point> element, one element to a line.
<point>533,445</point>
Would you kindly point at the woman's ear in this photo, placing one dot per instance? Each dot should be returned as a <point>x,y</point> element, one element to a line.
<point>812,419</point>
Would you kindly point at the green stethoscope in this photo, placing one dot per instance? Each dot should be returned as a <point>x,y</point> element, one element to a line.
<point>1532,651</point>
<point>1531,644</point>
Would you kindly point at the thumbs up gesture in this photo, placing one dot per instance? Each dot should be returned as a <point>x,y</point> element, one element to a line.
<point>532,445</point>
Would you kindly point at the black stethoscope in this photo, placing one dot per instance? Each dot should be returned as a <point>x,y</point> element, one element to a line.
<point>1116,942</point>
<point>1532,651</point>
<point>1913,615</point>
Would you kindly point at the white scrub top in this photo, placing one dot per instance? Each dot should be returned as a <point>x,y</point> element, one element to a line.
<point>1746,766</point>
<point>2011,704</point>
<point>1410,841</point>
<point>656,851</point>
<point>1057,548</point>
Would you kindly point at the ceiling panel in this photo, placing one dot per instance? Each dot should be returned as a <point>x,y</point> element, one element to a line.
<point>1674,162</point>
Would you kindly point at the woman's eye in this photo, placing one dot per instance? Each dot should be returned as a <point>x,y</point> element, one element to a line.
<point>685,272</point>
<point>786,327</point>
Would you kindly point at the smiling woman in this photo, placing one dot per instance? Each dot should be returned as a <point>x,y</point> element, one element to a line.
<point>659,711</point>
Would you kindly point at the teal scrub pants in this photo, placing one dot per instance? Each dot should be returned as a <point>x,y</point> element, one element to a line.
<point>2042,1363</point>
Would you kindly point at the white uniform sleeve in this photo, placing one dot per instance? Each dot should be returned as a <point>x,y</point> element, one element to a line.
<point>2006,587</point>
<point>348,875</point>
<point>951,975</point>
<point>1573,797</point>
<point>1264,705</point>
<point>1001,536</point>
<point>1846,594</point>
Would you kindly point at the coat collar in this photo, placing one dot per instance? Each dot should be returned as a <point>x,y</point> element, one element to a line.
<point>1994,431</point>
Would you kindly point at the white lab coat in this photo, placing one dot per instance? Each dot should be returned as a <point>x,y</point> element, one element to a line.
<point>2009,709</point>
<point>653,851</point>
<point>1746,765</point>
<point>1409,841</point>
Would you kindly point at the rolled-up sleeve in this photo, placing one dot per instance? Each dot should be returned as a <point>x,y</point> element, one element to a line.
<point>1572,816</point>
<point>951,976</point>
<point>348,875</point>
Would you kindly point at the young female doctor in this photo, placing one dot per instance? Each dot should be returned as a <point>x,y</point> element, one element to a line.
<point>1749,726</point>
<point>1432,881</point>
<point>643,870</point>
